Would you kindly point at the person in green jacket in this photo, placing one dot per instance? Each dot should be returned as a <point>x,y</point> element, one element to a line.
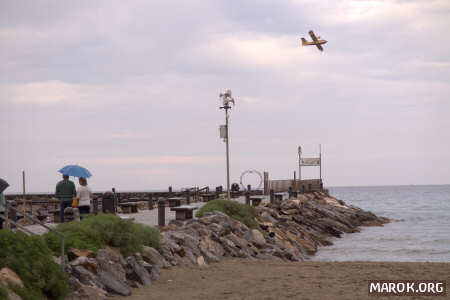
<point>65,191</point>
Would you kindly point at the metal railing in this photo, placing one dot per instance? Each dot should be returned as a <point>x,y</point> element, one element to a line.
<point>7,208</point>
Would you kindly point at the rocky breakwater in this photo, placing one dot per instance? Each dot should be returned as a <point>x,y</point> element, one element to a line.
<point>288,231</point>
<point>94,276</point>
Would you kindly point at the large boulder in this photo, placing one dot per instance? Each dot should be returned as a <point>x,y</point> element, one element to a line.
<point>89,264</point>
<point>86,277</point>
<point>137,271</point>
<point>111,261</point>
<point>9,277</point>
<point>152,256</point>
<point>256,237</point>
<point>113,285</point>
<point>73,253</point>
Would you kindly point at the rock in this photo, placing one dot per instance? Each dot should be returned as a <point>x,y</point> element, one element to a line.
<point>155,272</point>
<point>138,271</point>
<point>256,237</point>
<point>113,285</point>
<point>89,264</point>
<point>86,277</point>
<point>152,256</point>
<point>201,261</point>
<point>9,277</point>
<point>73,253</point>
<point>109,261</point>
<point>81,291</point>
<point>71,214</point>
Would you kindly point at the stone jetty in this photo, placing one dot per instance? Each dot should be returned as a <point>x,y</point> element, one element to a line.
<point>289,230</point>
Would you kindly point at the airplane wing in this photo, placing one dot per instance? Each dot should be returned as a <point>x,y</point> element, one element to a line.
<point>319,46</point>
<point>313,36</point>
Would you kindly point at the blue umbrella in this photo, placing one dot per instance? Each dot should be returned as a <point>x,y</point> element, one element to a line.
<point>76,171</point>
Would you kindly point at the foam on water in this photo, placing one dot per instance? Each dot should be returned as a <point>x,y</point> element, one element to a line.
<point>420,231</point>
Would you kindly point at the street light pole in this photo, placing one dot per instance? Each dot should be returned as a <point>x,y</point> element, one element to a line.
<point>228,151</point>
<point>226,106</point>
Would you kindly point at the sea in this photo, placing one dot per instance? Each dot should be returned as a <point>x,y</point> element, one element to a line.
<point>419,231</point>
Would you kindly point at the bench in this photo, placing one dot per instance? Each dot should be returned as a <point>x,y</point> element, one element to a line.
<point>208,197</point>
<point>175,201</point>
<point>183,212</point>
<point>256,200</point>
<point>129,207</point>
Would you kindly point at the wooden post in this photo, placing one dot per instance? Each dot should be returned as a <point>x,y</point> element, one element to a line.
<point>150,201</point>
<point>320,161</point>
<point>188,198</point>
<point>24,197</point>
<point>161,213</point>
<point>115,200</point>
<point>266,183</point>
<point>295,181</point>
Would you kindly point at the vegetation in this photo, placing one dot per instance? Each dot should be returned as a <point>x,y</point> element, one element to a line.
<point>96,232</point>
<point>240,212</point>
<point>31,259</point>
<point>3,292</point>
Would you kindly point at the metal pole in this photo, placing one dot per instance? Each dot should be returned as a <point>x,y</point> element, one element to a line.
<point>299,167</point>
<point>320,161</point>
<point>23,187</point>
<point>228,157</point>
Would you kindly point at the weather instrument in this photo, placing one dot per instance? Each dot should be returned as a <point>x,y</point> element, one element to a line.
<point>315,41</point>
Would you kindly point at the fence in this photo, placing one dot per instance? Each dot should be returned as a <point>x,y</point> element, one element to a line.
<point>309,185</point>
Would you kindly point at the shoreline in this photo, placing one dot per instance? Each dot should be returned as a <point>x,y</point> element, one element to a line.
<point>243,279</point>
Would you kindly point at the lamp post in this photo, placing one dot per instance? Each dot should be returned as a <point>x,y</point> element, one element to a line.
<point>227,99</point>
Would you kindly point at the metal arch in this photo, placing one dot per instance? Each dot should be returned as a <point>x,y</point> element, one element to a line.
<point>251,172</point>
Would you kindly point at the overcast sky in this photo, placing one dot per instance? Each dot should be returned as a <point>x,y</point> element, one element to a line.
<point>130,90</point>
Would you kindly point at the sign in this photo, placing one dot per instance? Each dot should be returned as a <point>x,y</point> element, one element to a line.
<point>223,131</point>
<point>310,161</point>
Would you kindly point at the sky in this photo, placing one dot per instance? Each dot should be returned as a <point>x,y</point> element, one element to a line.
<point>130,90</point>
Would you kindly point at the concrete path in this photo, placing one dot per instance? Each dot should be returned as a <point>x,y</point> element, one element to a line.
<point>146,217</point>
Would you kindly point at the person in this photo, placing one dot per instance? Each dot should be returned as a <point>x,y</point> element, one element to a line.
<point>84,195</point>
<point>2,208</point>
<point>65,191</point>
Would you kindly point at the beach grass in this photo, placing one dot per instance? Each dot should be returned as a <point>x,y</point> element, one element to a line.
<point>240,212</point>
<point>96,232</point>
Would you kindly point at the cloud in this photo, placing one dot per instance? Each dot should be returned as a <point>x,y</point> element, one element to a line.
<point>127,87</point>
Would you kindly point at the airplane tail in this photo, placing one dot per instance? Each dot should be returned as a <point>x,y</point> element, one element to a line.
<point>304,42</point>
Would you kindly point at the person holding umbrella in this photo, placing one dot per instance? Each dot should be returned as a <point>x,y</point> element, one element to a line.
<point>84,195</point>
<point>65,191</point>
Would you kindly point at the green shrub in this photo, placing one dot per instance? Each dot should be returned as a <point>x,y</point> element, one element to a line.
<point>31,259</point>
<point>96,232</point>
<point>3,292</point>
<point>240,212</point>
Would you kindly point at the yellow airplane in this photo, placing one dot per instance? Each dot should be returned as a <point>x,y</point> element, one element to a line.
<point>316,41</point>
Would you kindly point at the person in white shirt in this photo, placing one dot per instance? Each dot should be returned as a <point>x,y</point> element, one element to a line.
<point>84,195</point>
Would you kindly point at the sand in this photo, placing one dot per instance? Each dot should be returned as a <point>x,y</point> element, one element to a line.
<point>243,279</point>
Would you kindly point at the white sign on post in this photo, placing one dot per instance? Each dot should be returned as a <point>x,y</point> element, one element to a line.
<point>310,161</point>
<point>223,131</point>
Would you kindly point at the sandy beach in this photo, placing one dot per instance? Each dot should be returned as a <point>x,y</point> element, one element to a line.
<point>243,279</point>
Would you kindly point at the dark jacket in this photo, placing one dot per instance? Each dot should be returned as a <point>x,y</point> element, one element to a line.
<point>65,190</point>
